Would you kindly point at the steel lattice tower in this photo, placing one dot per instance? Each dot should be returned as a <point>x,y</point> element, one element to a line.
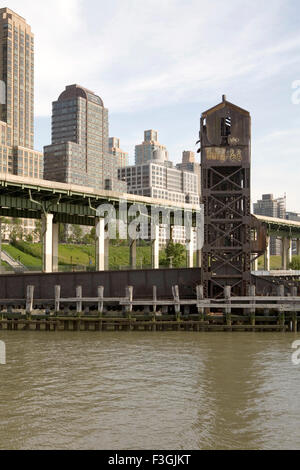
<point>225,138</point>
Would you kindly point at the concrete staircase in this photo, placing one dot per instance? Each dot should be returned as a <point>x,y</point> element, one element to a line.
<point>16,265</point>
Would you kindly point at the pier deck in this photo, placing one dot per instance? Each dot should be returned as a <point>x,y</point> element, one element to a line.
<point>100,313</point>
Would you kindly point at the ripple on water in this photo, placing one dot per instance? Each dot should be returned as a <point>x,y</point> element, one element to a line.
<point>143,391</point>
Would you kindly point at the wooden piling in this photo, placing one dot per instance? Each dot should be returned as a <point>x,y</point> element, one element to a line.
<point>129,298</point>
<point>227,294</point>
<point>79,301</point>
<point>148,318</point>
<point>280,293</point>
<point>100,301</point>
<point>252,292</point>
<point>200,296</point>
<point>175,292</point>
<point>57,293</point>
<point>294,292</point>
<point>154,299</point>
<point>29,301</point>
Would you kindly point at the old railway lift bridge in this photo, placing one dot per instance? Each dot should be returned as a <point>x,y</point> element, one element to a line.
<point>233,237</point>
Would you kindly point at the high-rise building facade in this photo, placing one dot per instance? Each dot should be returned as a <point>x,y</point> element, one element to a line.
<point>17,71</point>
<point>188,156</point>
<point>293,216</point>
<point>121,157</point>
<point>189,164</point>
<point>150,149</point>
<point>154,176</point>
<point>17,154</point>
<point>162,181</point>
<point>296,217</point>
<point>79,152</point>
<point>17,113</point>
<point>271,207</point>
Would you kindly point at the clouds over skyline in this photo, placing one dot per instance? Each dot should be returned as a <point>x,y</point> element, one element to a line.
<point>174,59</point>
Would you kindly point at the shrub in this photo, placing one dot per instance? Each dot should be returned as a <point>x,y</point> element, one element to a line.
<point>295,264</point>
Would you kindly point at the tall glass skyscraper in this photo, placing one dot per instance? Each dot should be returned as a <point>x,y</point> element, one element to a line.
<point>79,153</point>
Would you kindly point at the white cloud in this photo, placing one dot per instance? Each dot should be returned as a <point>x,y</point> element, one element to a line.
<point>141,55</point>
<point>145,54</point>
<point>275,165</point>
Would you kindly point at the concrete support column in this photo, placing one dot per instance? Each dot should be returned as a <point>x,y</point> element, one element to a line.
<point>199,241</point>
<point>298,247</point>
<point>106,253</point>
<point>267,255</point>
<point>254,263</point>
<point>132,249</point>
<point>190,247</point>
<point>286,253</point>
<point>100,244</point>
<point>55,234</point>
<point>155,246</point>
<point>47,230</point>
<point>289,252</point>
<point>283,254</point>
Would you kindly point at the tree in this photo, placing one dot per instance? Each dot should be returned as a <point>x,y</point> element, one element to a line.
<point>17,231</point>
<point>4,227</point>
<point>175,254</point>
<point>37,233</point>
<point>4,223</point>
<point>76,234</point>
<point>29,238</point>
<point>61,233</point>
<point>89,238</point>
<point>295,264</point>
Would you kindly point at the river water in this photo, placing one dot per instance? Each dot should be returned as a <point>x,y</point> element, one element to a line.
<point>144,390</point>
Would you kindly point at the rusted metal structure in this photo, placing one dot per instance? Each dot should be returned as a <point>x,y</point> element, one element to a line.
<point>14,286</point>
<point>225,137</point>
<point>102,313</point>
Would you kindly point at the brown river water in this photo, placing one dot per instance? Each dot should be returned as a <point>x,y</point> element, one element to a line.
<point>147,390</point>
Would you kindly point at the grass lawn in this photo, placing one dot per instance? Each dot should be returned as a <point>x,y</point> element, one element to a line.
<point>28,260</point>
<point>275,262</point>
<point>30,254</point>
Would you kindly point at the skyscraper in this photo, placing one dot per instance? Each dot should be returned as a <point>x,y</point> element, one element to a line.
<point>79,152</point>
<point>188,156</point>
<point>17,113</point>
<point>114,149</point>
<point>150,149</point>
<point>271,207</point>
<point>17,71</point>
<point>158,178</point>
<point>17,109</point>
<point>189,164</point>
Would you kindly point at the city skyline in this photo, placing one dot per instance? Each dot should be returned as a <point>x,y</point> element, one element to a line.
<point>165,84</point>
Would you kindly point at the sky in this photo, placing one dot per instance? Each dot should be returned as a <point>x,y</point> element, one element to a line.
<point>158,64</point>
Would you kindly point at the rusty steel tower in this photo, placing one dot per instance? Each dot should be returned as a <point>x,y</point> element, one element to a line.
<point>225,137</point>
